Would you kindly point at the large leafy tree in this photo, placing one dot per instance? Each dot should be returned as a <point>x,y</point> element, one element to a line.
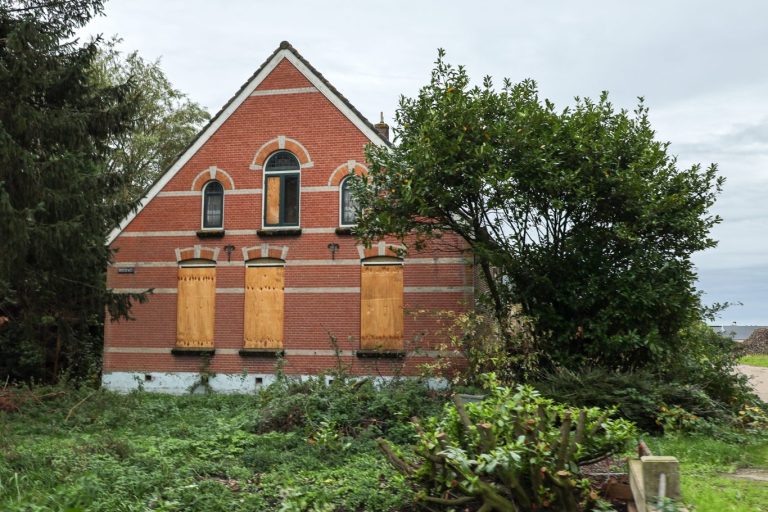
<point>579,215</point>
<point>165,120</point>
<point>56,198</point>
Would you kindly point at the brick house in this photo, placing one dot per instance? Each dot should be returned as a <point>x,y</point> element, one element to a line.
<point>246,243</point>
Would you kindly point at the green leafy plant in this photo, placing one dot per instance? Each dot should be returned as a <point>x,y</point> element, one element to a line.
<point>514,450</point>
<point>350,406</point>
<point>579,215</point>
<point>477,337</point>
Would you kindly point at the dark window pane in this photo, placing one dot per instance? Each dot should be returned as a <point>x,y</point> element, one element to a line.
<point>282,161</point>
<point>213,205</point>
<point>348,205</point>
<point>291,199</point>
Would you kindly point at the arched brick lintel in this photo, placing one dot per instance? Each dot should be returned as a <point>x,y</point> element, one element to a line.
<point>278,252</point>
<point>278,143</point>
<point>344,170</point>
<point>213,173</point>
<point>381,249</point>
<point>197,252</point>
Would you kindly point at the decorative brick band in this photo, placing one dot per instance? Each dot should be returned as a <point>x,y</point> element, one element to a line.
<point>344,170</point>
<point>279,252</point>
<point>278,143</point>
<point>197,252</point>
<point>213,173</point>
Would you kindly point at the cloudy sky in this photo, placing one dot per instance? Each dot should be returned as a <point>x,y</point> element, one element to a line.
<point>701,66</point>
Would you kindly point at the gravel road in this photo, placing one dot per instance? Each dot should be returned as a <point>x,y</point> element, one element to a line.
<point>759,378</point>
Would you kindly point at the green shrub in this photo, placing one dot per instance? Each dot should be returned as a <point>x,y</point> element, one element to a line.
<point>513,451</point>
<point>695,390</point>
<point>639,396</point>
<point>707,360</point>
<point>346,406</point>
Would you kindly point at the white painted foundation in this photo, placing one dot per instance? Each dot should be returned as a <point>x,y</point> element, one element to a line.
<point>181,383</point>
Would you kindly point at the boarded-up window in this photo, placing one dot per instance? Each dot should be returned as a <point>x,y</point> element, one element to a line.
<point>381,307</point>
<point>273,201</point>
<point>196,306</point>
<point>264,305</point>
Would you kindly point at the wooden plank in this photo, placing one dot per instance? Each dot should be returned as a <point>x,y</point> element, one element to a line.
<point>381,307</point>
<point>195,307</point>
<point>273,200</point>
<point>264,307</point>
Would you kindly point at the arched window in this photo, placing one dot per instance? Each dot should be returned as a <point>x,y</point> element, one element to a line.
<point>281,190</point>
<point>213,205</point>
<point>348,207</point>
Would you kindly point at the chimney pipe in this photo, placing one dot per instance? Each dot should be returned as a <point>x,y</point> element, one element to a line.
<point>382,128</point>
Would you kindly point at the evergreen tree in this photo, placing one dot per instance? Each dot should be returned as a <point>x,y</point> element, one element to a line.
<point>56,196</point>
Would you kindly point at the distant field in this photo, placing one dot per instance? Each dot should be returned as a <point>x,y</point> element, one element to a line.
<point>761,360</point>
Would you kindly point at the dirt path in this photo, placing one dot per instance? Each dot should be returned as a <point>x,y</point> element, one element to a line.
<point>758,377</point>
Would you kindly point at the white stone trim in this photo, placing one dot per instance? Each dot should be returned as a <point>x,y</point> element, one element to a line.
<point>181,383</point>
<point>281,140</point>
<point>324,289</point>
<point>211,172</point>
<point>275,92</point>
<point>320,189</point>
<point>179,193</point>
<point>314,231</point>
<point>311,290</point>
<point>233,232</point>
<point>346,168</point>
<point>216,123</point>
<point>245,191</point>
<point>298,263</point>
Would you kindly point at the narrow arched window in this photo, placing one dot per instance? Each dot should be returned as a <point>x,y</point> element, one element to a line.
<point>348,205</point>
<point>213,205</point>
<point>282,181</point>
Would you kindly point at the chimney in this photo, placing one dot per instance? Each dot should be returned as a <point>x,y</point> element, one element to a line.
<point>382,128</point>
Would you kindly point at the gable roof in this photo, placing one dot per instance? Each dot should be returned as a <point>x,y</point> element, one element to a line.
<point>283,52</point>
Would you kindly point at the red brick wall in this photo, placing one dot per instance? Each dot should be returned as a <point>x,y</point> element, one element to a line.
<point>170,222</point>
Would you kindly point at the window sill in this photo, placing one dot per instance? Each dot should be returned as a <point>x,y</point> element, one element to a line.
<point>344,230</point>
<point>262,352</point>
<point>210,233</point>
<point>278,232</point>
<point>192,351</point>
<point>380,354</point>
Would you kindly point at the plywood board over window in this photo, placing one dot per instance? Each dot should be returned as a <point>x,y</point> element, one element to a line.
<point>196,306</point>
<point>381,307</point>
<point>273,200</point>
<point>264,306</point>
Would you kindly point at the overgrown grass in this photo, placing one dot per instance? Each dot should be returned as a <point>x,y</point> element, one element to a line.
<point>755,360</point>
<point>296,447</point>
<point>705,463</point>
<point>152,452</point>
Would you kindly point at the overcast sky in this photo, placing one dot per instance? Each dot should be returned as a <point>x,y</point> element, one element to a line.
<point>701,66</point>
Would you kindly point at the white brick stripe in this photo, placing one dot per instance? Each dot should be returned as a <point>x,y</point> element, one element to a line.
<point>312,290</point>
<point>294,90</point>
<point>297,263</point>
<point>243,191</point>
